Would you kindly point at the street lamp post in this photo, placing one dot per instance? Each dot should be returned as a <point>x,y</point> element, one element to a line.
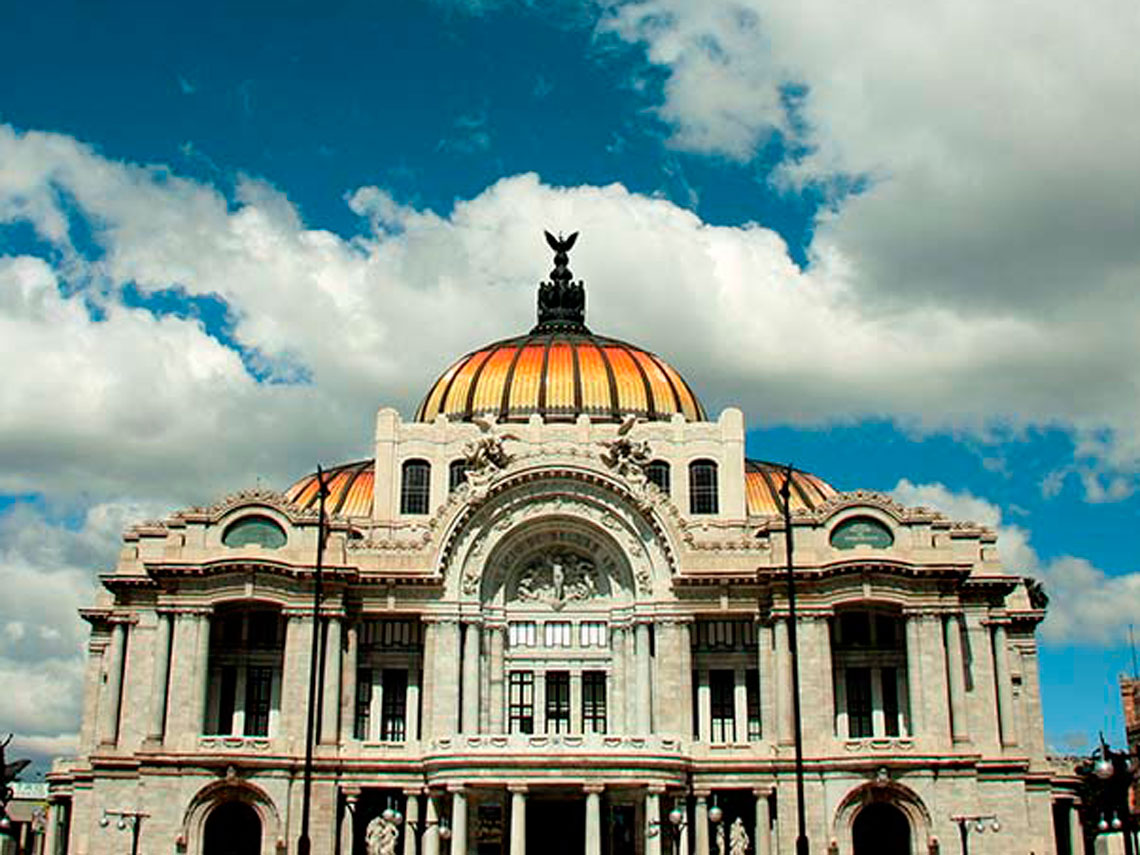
<point>678,821</point>
<point>131,819</point>
<point>1108,775</point>
<point>979,821</point>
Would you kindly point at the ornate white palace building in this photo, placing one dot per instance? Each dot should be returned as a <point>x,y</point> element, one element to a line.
<point>555,622</point>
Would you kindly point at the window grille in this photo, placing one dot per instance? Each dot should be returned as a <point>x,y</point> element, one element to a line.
<point>258,695</point>
<point>522,633</point>
<point>456,475</point>
<point>415,487</point>
<point>703,491</point>
<point>594,701</point>
<point>556,633</point>
<point>593,633</point>
<point>393,711</point>
<point>723,705</point>
<point>363,713</point>
<point>752,690</point>
<point>520,702</point>
<point>658,473</point>
<point>557,701</point>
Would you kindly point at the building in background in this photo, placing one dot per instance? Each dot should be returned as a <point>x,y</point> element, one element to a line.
<point>555,622</point>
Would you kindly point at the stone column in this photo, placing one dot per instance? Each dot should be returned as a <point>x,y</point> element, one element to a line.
<point>618,683</point>
<point>181,680</point>
<point>1076,832</point>
<point>157,721</point>
<point>654,830</point>
<point>593,821</point>
<point>685,696</point>
<point>427,687</point>
<point>763,832</point>
<point>469,717</point>
<point>411,820</point>
<point>295,678</point>
<point>783,671</point>
<point>740,705</point>
<point>348,683</point>
<point>412,704</point>
<point>458,821</point>
<point>932,675</point>
<point>644,687</point>
<point>704,706</point>
<point>430,838</point>
<point>956,678</point>
<point>701,824</point>
<point>497,684</point>
<point>576,702</point>
<point>915,664</point>
<point>346,820</point>
<point>446,667</point>
<point>202,675</point>
<point>112,688</point>
<point>518,821</point>
<point>766,664</point>
<point>330,693</point>
<point>1004,686</point>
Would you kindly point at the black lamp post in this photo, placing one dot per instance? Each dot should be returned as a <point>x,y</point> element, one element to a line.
<point>980,822</point>
<point>131,819</point>
<point>1107,776</point>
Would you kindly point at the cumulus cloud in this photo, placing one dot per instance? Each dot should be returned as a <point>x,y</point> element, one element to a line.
<point>48,564</point>
<point>1086,605</point>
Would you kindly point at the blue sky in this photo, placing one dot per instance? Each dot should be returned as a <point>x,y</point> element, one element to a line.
<point>904,243</point>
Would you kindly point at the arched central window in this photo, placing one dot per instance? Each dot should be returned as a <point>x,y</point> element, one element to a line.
<point>415,487</point>
<point>703,487</point>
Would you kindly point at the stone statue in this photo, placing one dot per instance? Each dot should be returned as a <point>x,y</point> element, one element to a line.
<point>737,838</point>
<point>720,838</point>
<point>557,579</point>
<point>486,455</point>
<point>625,456</point>
<point>380,837</point>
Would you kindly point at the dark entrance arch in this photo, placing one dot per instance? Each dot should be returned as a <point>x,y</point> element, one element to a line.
<point>232,828</point>
<point>881,829</point>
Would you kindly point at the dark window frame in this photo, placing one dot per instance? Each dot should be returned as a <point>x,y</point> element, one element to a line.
<point>704,487</point>
<point>415,487</point>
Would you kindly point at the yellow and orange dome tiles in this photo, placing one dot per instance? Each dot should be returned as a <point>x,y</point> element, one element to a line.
<point>560,375</point>
<point>350,489</point>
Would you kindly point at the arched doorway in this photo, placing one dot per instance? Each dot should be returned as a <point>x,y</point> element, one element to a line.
<point>232,828</point>
<point>880,828</point>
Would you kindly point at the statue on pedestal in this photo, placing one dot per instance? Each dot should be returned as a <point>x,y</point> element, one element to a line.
<point>380,837</point>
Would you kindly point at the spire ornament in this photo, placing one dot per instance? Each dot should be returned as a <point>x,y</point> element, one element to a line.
<point>561,301</point>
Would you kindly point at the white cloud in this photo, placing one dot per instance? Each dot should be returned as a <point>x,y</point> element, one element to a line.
<point>1086,605</point>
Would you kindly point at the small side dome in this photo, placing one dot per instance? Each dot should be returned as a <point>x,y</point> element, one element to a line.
<point>762,482</point>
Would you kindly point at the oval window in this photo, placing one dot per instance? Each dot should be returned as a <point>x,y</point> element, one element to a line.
<point>861,531</point>
<point>255,531</point>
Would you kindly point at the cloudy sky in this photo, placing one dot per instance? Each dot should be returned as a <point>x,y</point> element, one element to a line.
<point>904,238</point>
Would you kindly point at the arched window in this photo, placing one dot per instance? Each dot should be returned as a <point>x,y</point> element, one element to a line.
<point>254,531</point>
<point>703,487</point>
<point>456,474</point>
<point>658,473</point>
<point>415,487</point>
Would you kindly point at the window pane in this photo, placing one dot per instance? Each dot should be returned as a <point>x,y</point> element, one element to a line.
<point>415,487</point>
<point>227,700</point>
<point>658,473</point>
<point>723,704</point>
<point>702,487</point>
<point>362,719</point>
<point>393,713</point>
<point>456,475</point>
<point>858,686</point>
<point>557,633</point>
<point>522,633</point>
<point>592,634</point>
<point>752,688</point>
<point>520,703</point>
<point>258,694</point>
<point>594,701</point>
<point>557,701</point>
<point>890,678</point>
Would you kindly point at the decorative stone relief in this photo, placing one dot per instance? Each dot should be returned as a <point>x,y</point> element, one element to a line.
<point>626,457</point>
<point>556,579</point>
<point>380,837</point>
<point>486,455</point>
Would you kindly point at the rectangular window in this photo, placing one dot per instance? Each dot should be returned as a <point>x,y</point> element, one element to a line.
<point>415,487</point>
<point>858,685</point>
<point>702,487</point>
<point>594,701</point>
<point>556,633</point>
<point>752,689</point>
<point>362,720</point>
<point>390,634</point>
<point>557,701</point>
<point>592,633</point>
<point>227,700</point>
<point>456,475</point>
<point>723,704</point>
<point>520,703</point>
<point>258,696</point>
<point>522,633</point>
<point>393,711</point>
<point>890,683</point>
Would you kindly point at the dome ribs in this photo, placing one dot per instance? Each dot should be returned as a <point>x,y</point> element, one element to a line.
<point>509,385</point>
<point>476,379</point>
<point>544,373</point>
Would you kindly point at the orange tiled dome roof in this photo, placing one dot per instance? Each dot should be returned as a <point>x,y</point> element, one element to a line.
<point>560,370</point>
<point>350,489</point>
<point>560,375</point>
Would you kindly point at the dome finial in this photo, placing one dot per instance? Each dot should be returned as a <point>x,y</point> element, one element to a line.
<point>561,301</point>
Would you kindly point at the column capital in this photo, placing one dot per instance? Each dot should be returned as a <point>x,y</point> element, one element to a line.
<point>518,789</point>
<point>413,791</point>
<point>701,793</point>
<point>764,791</point>
<point>593,789</point>
<point>457,789</point>
<point>655,789</point>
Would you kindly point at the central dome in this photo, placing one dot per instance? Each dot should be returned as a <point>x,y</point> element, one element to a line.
<point>560,370</point>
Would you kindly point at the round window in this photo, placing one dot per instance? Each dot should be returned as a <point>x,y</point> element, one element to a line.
<point>255,531</point>
<point>861,531</point>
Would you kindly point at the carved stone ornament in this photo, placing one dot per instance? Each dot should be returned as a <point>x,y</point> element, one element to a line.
<point>556,579</point>
<point>380,837</point>
<point>627,457</point>
<point>486,455</point>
